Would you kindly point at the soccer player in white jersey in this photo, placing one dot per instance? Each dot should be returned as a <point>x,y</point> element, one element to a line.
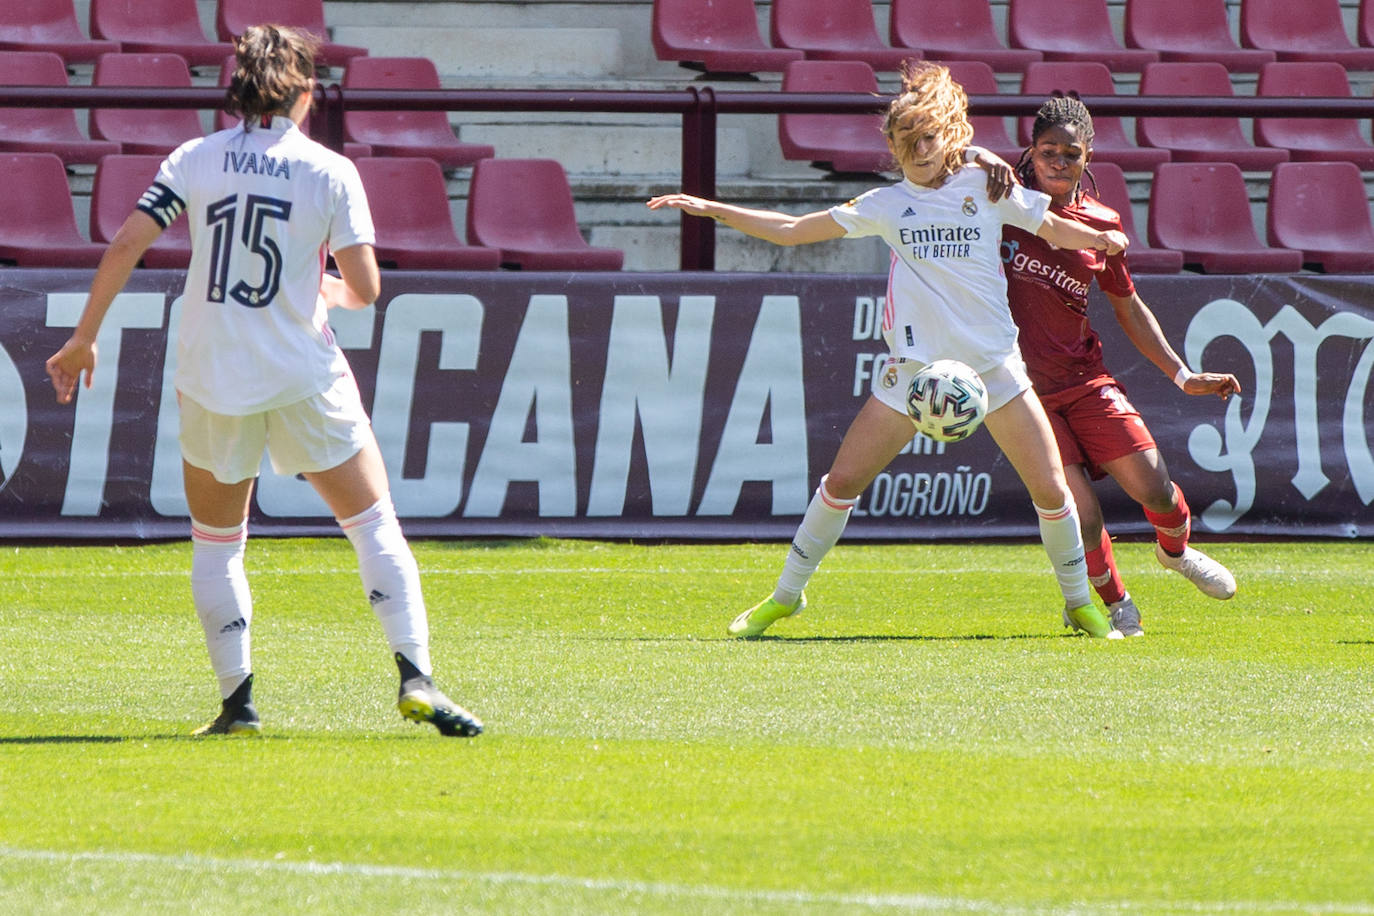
<point>258,367</point>
<point>946,299</point>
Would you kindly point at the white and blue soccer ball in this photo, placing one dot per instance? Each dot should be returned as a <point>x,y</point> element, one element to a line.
<point>947,400</point>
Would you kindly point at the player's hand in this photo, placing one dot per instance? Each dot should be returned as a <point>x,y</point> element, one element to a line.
<point>1112,241</point>
<point>696,206</point>
<point>1221,384</point>
<point>1001,176</point>
<point>66,366</point>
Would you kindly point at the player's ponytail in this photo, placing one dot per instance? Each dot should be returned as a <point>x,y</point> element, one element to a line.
<point>274,64</point>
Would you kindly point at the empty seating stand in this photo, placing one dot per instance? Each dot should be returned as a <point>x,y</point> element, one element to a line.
<point>409,201</point>
<point>1203,210</point>
<point>403,132</point>
<point>840,142</point>
<point>835,30</point>
<point>49,25</point>
<point>1189,31</point>
<point>1212,139</point>
<point>1313,30</point>
<point>989,131</point>
<point>1072,30</point>
<point>119,182</point>
<point>157,27</point>
<point>41,129</point>
<point>717,36</point>
<point>1321,209</point>
<point>37,221</point>
<point>948,30</point>
<point>524,208</point>
<point>1110,185</point>
<point>233,16</point>
<point>151,131</point>
<point>1089,78</point>
<point>1311,139</point>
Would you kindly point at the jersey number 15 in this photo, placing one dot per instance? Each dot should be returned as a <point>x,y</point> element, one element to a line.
<point>220,218</point>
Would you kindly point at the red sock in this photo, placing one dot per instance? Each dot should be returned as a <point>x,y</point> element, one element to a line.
<point>1171,528</point>
<point>1102,571</point>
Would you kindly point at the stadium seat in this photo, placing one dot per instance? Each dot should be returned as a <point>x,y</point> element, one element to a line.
<point>1189,30</point>
<point>835,30</point>
<point>119,182</point>
<point>1213,139</point>
<point>401,132</point>
<point>157,27</point>
<point>44,130</point>
<point>989,131</point>
<point>1072,30</point>
<point>37,220</point>
<point>1310,31</point>
<point>717,36</point>
<point>947,30</point>
<point>233,16</point>
<point>1110,185</point>
<point>1203,210</point>
<point>49,25</point>
<point>409,201</point>
<point>1311,139</point>
<point>524,208</point>
<point>151,131</point>
<point>839,142</point>
<point>1320,209</point>
<point>1088,78</point>
<point>1364,24</point>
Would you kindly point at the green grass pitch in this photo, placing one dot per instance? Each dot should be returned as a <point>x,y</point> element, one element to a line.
<point>925,738</point>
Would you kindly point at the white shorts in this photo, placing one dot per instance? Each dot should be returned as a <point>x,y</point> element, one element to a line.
<point>314,434</point>
<point>892,377</point>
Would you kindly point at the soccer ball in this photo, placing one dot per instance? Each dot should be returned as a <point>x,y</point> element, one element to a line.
<point>947,400</point>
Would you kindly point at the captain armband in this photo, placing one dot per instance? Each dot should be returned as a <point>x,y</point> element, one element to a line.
<point>161,204</point>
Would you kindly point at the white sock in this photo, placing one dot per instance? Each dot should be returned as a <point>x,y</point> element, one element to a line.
<point>1063,541</point>
<point>223,603</point>
<point>820,528</point>
<point>391,580</point>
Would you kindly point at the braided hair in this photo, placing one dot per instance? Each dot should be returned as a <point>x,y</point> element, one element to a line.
<point>1060,110</point>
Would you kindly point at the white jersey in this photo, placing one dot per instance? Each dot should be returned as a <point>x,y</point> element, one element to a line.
<point>263,206</point>
<point>946,291</point>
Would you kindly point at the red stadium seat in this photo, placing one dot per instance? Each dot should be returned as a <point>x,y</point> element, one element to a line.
<point>1313,30</point>
<point>157,27</point>
<point>1072,30</point>
<point>409,201</point>
<point>233,16</point>
<point>989,131</point>
<point>1214,139</point>
<point>1189,30</point>
<point>44,130</point>
<point>1364,24</point>
<point>1110,188</point>
<point>524,208</point>
<point>1311,139</point>
<point>1089,78</point>
<point>840,142</point>
<point>401,132</point>
<point>948,30</point>
<point>1203,210</point>
<point>718,36</point>
<point>49,25</point>
<point>37,221</point>
<point>119,182</point>
<point>835,30</point>
<point>1320,209</point>
<point>150,131</point>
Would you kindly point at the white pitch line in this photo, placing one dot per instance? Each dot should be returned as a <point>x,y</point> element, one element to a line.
<point>918,903</point>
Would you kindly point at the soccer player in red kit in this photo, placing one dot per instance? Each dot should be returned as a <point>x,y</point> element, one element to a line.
<point>1098,430</point>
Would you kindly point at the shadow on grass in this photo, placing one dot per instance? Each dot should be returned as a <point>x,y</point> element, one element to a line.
<point>910,637</point>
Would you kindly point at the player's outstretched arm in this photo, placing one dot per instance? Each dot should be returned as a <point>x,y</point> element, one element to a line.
<point>1067,233</point>
<point>78,354</point>
<point>769,225</point>
<point>1143,329</point>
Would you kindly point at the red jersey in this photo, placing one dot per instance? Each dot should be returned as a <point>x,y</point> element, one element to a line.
<point>1047,289</point>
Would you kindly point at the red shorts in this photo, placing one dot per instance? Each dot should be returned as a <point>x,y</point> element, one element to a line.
<point>1095,423</point>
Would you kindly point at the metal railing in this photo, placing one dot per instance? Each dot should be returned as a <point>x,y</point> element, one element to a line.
<point>698,106</point>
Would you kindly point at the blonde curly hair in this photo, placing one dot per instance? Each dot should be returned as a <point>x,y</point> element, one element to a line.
<point>929,94</point>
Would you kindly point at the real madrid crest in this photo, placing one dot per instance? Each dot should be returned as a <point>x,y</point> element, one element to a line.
<point>890,375</point>
<point>970,207</point>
